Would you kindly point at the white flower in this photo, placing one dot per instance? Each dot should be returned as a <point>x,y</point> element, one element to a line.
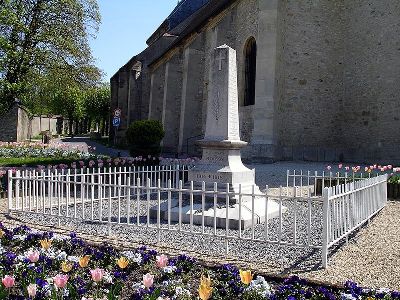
<point>137,286</point>
<point>66,292</point>
<point>179,291</point>
<point>347,297</point>
<point>62,256</point>
<point>19,237</point>
<point>107,277</point>
<point>73,258</point>
<point>261,286</point>
<point>21,257</point>
<point>383,291</point>
<point>169,269</point>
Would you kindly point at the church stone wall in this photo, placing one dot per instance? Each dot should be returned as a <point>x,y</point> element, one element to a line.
<point>191,116</point>
<point>172,103</point>
<point>372,80</point>
<point>327,83</point>
<point>310,73</point>
<point>157,93</point>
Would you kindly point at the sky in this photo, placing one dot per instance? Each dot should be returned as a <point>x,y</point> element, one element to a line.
<point>125,27</point>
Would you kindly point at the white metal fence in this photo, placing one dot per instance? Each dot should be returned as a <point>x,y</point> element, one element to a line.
<point>318,181</point>
<point>349,206</point>
<point>158,198</point>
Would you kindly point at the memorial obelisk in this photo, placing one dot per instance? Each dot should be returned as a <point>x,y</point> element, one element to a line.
<point>221,160</point>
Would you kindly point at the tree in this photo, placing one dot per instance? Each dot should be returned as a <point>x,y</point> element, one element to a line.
<point>97,105</point>
<point>42,40</point>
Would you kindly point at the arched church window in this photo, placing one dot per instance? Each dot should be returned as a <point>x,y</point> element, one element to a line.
<point>250,54</point>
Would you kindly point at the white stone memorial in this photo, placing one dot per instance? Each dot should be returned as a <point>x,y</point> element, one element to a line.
<point>221,161</point>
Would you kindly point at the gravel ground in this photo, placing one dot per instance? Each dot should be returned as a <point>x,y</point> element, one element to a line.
<point>371,258</point>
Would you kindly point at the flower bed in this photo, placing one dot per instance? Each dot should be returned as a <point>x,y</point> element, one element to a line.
<point>35,265</point>
<point>27,149</point>
<point>357,172</point>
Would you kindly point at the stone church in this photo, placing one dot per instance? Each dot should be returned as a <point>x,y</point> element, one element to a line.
<point>318,80</point>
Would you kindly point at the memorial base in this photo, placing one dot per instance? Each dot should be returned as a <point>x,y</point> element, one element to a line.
<point>222,220</point>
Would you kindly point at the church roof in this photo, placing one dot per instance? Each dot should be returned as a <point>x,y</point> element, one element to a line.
<point>194,22</point>
<point>182,12</point>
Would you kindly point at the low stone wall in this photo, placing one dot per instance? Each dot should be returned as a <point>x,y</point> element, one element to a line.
<point>39,124</point>
<point>9,125</point>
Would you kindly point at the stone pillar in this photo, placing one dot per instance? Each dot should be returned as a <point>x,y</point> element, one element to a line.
<point>172,104</point>
<point>191,102</point>
<point>151,95</point>
<point>157,93</point>
<point>264,139</point>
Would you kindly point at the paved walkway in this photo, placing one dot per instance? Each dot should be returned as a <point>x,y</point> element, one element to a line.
<point>100,148</point>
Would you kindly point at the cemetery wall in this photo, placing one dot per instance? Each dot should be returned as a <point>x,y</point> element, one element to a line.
<point>14,125</point>
<point>9,125</point>
<point>24,125</point>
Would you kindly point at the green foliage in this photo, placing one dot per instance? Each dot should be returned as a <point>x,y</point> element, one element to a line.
<point>144,137</point>
<point>395,179</point>
<point>44,48</point>
<point>97,103</point>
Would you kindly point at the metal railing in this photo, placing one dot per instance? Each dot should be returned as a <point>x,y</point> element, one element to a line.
<point>349,206</point>
<point>161,199</point>
<point>318,181</point>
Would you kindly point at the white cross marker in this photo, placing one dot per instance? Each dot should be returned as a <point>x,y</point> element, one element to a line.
<point>220,59</point>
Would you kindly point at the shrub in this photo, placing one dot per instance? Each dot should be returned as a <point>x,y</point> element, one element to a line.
<point>144,137</point>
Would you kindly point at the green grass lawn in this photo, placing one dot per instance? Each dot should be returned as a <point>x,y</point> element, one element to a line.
<point>33,161</point>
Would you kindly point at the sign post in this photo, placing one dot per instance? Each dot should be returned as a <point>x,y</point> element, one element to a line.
<point>116,122</point>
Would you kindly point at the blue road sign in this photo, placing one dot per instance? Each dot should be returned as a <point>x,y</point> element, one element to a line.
<point>116,121</point>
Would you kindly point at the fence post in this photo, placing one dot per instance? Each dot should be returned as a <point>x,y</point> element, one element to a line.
<point>10,192</point>
<point>17,186</point>
<point>325,227</point>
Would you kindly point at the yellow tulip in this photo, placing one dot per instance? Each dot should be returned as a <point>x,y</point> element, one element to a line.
<point>122,262</point>
<point>66,267</point>
<point>1,233</point>
<point>205,289</point>
<point>84,261</point>
<point>246,276</point>
<point>46,244</point>
<point>206,281</point>
<point>205,292</point>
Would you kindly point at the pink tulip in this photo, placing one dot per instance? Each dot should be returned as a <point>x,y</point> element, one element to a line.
<point>390,167</point>
<point>97,274</point>
<point>148,280</point>
<point>60,281</point>
<point>340,166</point>
<point>366,169</point>
<point>347,168</point>
<point>328,168</point>
<point>33,256</point>
<point>8,281</point>
<point>32,289</point>
<point>162,261</point>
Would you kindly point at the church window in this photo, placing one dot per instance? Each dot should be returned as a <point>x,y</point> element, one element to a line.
<point>250,53</point>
